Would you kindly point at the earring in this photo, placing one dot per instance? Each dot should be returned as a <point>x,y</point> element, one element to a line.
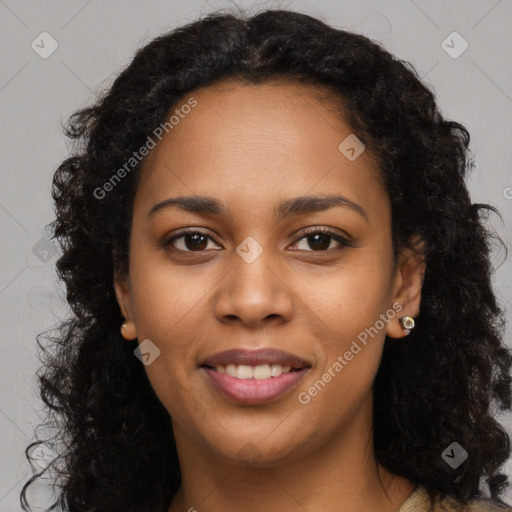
<point>128,332</point>
<point>407,323</point>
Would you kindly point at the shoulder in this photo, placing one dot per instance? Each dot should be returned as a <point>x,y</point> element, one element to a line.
<point>476,505</point>
<point>420,500</point>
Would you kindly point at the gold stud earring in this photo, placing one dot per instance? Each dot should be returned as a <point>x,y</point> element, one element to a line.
<point>407,324</point>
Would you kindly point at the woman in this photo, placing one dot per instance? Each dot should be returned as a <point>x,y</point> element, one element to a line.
<point>281,287</point>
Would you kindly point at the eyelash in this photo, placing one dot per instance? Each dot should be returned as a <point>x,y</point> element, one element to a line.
<point>324,231</point>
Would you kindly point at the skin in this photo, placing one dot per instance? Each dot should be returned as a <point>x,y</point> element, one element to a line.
<point>251,146</point>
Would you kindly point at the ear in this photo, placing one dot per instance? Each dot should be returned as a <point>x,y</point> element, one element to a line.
<point>407,285</point>
<point>124,300</point>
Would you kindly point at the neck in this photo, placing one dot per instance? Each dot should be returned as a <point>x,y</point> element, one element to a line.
<point>340,474</point>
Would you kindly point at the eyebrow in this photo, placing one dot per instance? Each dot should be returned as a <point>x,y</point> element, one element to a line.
<point>295,206</point>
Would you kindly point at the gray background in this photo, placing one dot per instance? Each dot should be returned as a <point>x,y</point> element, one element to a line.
<point>96,39</point>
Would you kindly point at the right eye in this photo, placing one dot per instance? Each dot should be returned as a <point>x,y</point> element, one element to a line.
<point>193,241</point>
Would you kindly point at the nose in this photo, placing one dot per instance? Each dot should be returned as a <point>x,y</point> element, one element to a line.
<point>254,294</point>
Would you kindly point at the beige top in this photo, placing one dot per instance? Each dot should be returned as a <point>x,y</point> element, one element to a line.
<point>420,501</point>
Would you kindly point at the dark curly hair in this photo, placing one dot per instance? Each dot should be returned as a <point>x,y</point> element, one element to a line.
<point>112,438</point>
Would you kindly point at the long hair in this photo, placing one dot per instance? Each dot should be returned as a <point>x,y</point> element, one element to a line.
<point>112,437</point>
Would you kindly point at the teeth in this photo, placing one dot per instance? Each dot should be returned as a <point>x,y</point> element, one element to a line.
<point>262,372</point>
<point>244,371</point>
<point>231,370</point>
<point>276,370</point>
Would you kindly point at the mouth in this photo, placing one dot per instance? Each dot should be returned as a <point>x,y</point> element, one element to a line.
<point>254,377</point>
<point>262,357</point>
<point>259,372</point>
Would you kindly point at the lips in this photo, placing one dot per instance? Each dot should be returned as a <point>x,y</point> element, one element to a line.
<point>253,391</point>
<point>261,375</point>
<point>259,357</point>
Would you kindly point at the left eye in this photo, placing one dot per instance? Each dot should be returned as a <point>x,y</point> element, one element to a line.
<point>320,240</point>
<point>195,241</point>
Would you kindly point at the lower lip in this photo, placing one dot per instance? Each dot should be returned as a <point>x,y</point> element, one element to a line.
<point>254,391</point>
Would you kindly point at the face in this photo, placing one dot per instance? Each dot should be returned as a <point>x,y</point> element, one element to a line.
<point>262,270</point>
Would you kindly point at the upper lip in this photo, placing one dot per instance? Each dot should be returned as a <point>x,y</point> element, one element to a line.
<point>255,357</point>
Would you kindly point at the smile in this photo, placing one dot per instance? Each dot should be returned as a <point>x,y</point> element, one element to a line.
<point>255,385</point>
<point>245,371</point>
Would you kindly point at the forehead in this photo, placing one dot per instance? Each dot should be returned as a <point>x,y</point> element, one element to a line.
<point>257,143</point>
<point>268,114</point>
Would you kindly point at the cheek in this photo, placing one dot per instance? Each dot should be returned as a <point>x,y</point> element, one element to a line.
<point>169,312</point>
<point>352,297</point>
<point>168,298</point>
<point>348,357</point>
<point>353,306</point>
<point>169,308</point>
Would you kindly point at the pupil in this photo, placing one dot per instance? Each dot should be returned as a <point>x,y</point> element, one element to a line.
<point>196,243</point>
<point>325,238</point>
